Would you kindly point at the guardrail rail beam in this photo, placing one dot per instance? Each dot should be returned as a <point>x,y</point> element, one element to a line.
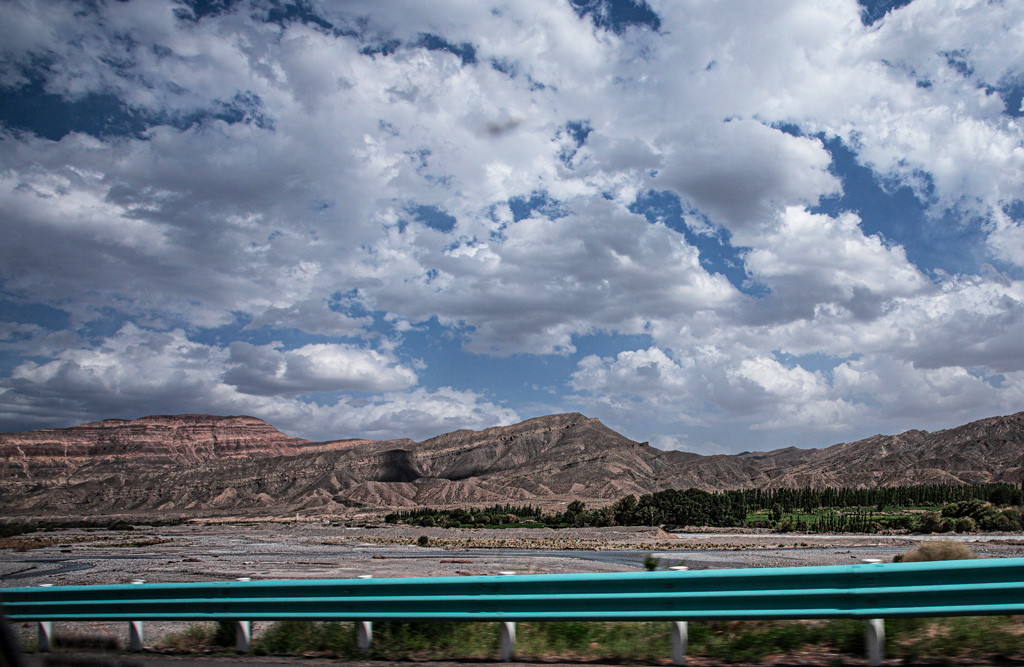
<point>868,592</point>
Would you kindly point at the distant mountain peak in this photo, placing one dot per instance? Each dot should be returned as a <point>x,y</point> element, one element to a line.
<point>210,464</point>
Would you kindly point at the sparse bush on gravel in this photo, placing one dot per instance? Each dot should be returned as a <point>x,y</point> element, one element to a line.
<point>939,550</point>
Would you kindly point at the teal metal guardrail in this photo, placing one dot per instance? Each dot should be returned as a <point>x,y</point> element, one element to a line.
<point>864,591</point>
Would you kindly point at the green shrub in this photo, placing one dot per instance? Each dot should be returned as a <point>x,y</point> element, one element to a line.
<point>964,524</point>
<point>932,522</point>
<point>651,563</point>
<point>786,525</point>
<point>973,508</point>
<point>1001,521</point>
<point>423,541</point>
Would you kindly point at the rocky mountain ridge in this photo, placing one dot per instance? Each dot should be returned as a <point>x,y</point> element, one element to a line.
<point>207,465</point>
<point>155,441</point>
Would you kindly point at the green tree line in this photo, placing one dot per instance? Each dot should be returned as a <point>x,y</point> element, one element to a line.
<point>965,508</point>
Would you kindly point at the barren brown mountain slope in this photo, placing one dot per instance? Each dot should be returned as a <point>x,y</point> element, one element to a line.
<point>194,464</point>
<point>988,450</point>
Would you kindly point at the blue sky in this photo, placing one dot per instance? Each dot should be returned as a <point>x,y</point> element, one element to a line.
<point>716,226</point>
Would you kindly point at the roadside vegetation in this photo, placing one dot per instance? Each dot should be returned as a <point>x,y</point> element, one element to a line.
<point>745,642</point>
<point>923,509</point>
<point>28,536</point>
<point>13,528</point>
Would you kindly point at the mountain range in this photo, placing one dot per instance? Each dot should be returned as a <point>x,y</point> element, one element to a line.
<point>202,465</point>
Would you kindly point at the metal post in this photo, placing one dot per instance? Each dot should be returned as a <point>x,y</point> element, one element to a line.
<point>508,640</point>
<point>364,636</point>
<point>135,636</point>
<point>135,627</point>
<point>45,634</point>
<point>243,636</point>
<point>680,637</point>
<point>874,628</point>
<point>874,637</point>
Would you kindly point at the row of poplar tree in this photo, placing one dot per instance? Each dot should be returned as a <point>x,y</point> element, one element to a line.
<point>822,510</point>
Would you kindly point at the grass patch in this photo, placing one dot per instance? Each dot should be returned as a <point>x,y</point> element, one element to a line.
<point>201,637</point>
<point>916,638</point>
<point>434,640</point>
<point>23,543</point>
<point>299,637</point>
<point>573,641</point>
<point>744,642</point>
<point>391,640</point>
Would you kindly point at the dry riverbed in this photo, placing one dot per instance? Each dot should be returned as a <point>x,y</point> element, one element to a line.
<point>194,552</point>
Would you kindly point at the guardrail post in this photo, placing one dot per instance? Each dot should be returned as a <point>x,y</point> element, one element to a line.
<point>508,640</point>
<point>45,633</point>
<point>364,636</point>
<point>874,628</point>
<point>135,627</point>
<point>680,636</point>
<point>874,638</point>
<point>243,636</point>
<point>135,636</point>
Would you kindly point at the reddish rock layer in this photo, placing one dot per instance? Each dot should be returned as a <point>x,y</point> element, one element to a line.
<point>160,440</point>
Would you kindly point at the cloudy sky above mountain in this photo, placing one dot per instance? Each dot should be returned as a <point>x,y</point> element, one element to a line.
<point>716,226</point>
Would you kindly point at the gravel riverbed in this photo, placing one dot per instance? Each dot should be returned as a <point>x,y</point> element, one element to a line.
<point>193,552</point>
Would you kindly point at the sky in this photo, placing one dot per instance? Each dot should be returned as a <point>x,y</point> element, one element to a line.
<point>716,226</point>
